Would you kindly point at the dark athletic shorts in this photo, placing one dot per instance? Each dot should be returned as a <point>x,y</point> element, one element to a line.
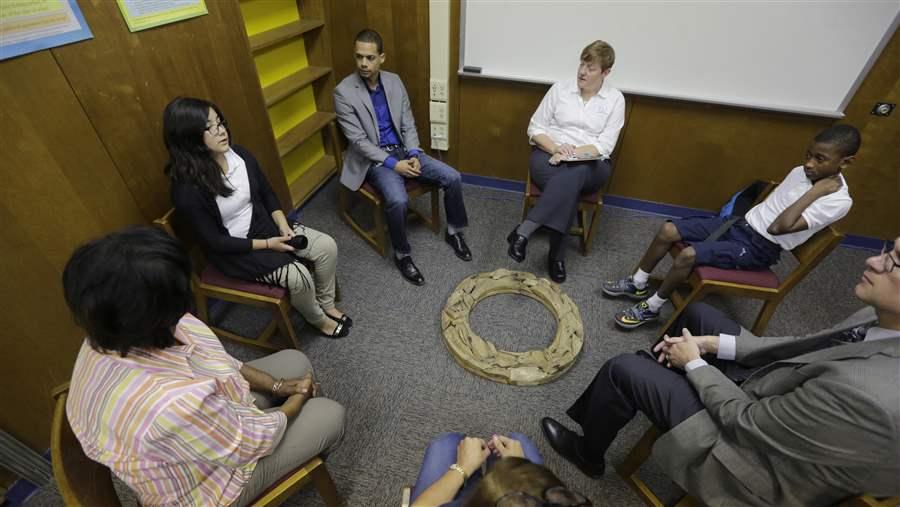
<point>739,248</point>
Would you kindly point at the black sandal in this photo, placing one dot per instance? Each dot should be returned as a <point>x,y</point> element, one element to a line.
<point>340,331</point>
<point>345,320</point>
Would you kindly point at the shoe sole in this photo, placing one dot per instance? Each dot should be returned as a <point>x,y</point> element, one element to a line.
<point>635,325</point>
<point>629,295</point>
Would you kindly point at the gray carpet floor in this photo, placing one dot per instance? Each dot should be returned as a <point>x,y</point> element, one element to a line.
<point>401,387</point>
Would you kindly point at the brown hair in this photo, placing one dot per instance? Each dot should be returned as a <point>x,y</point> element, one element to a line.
<point>599,52</point>
<point>512,474</point>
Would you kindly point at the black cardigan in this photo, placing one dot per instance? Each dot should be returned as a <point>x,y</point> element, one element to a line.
<point>232,256</point>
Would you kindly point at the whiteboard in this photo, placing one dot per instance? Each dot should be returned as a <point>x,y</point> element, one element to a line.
<point>797,56</point>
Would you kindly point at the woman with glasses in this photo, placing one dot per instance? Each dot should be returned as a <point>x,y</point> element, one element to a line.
<point>221,191</point>
<point>452,472</point>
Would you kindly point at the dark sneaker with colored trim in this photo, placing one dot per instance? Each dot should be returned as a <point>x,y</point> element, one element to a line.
<point>636,316</point>
<point>624,287</point>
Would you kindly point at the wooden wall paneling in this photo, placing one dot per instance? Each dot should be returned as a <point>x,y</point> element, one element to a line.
<point>60,188</point>
<point>403,24</point>
<point>493,119</point>
<point>670,146</point>
<point>124,80</point>
<point>874,178</point>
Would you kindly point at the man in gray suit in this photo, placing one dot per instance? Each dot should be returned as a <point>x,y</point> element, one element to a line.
<point>816,417</point>
<point>373,111</point>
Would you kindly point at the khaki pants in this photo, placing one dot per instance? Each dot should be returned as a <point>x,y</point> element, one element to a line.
<point>311,293</point>
<point>316,431</point>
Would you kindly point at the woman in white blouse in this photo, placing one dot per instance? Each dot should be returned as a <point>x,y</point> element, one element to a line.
<point>574,132</point>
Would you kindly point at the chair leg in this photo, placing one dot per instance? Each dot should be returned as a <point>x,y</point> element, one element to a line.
<point>380,240</point>
<point>283,315</point>
<point>200,300</point>
<point>526,205</point>
<point>678,307</point>
<point>589,238</point>
<point>629,468</point>
<point>765,313</point>
<point>435,211</point>
<point>324,485</point>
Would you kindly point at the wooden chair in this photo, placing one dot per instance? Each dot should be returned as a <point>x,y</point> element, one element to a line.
<point>208,282</point>
<point>760,284</point>
<point>83,482</point>
<point>588,215</point>
<point>375,236</point>
<point>628,470</point>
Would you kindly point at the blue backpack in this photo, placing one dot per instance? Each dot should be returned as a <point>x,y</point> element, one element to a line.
<point>741,202</point>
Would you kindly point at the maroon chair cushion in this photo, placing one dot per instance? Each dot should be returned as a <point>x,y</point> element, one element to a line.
<point>761,278</point>
<point>213,276</point>
<point>592,198</point>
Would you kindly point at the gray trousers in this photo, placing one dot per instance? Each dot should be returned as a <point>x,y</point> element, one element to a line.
<point>311,293</point>
<point>561,186</point>
<point>316,431</point>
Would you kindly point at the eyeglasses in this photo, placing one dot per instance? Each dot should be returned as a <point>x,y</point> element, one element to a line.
<point>214,129</point>
<point>887,258</point>
<point>557,496</point>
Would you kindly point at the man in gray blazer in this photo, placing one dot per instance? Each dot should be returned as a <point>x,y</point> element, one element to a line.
<point>816,417</point>
<point>373,111</point>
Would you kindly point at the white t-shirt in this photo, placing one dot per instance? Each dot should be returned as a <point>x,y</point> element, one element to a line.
<point>236,209</point>
<point>565,118</point>
<point>821,213</point>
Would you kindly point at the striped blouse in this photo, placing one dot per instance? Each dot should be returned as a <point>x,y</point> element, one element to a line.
<point>178,425</point>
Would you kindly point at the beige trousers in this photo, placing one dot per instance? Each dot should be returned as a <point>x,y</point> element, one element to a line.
<point>316,431</point>
<point>311,293</point>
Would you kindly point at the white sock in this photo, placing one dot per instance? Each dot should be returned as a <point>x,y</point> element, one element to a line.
<point>655,302</point>
<point>401,256</point>
<point>452,230</point>
<point>640,278</point>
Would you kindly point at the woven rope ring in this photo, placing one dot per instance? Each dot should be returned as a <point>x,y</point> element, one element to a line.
<point>482,358</point>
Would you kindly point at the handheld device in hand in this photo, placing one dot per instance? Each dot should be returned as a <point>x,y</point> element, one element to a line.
<point>299,242</point>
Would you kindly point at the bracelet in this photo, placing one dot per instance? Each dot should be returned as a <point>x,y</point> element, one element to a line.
<point>277,385</point>
<point>459,469</point>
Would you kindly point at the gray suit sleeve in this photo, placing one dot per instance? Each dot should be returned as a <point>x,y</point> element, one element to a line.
<point>351,125</point>
<point>407,122</point>
<point>824,419</point>
<point>752,350</point>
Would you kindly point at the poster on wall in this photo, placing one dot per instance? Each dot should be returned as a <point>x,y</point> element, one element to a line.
<point>144,14</point>
<point>27,26</point>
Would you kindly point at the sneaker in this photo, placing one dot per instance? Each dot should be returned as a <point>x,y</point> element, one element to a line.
<point>636,316</point>
<point>624,287</point>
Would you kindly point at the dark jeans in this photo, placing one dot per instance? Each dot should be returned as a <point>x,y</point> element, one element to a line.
<point>441,453</point>
<point>629,383</point>
<point>392,187</point>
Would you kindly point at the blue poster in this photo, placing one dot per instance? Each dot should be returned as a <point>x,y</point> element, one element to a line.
<point>27,26</point>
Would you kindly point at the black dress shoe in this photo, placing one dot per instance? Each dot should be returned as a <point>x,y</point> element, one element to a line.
<point>409,270</point>
<point>557,270</point>
<point>460,248</point>
<point>566,443</point>
<point>517,245</point>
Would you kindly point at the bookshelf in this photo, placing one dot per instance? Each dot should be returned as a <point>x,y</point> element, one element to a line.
<point>288,41</point>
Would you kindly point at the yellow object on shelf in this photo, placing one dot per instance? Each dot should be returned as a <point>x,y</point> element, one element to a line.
<point>262,15</point>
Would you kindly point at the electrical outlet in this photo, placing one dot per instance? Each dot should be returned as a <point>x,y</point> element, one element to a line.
<point>440,144</point>
<point>439,90</point>
<point>438,131</point>
<point>438,112</point>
